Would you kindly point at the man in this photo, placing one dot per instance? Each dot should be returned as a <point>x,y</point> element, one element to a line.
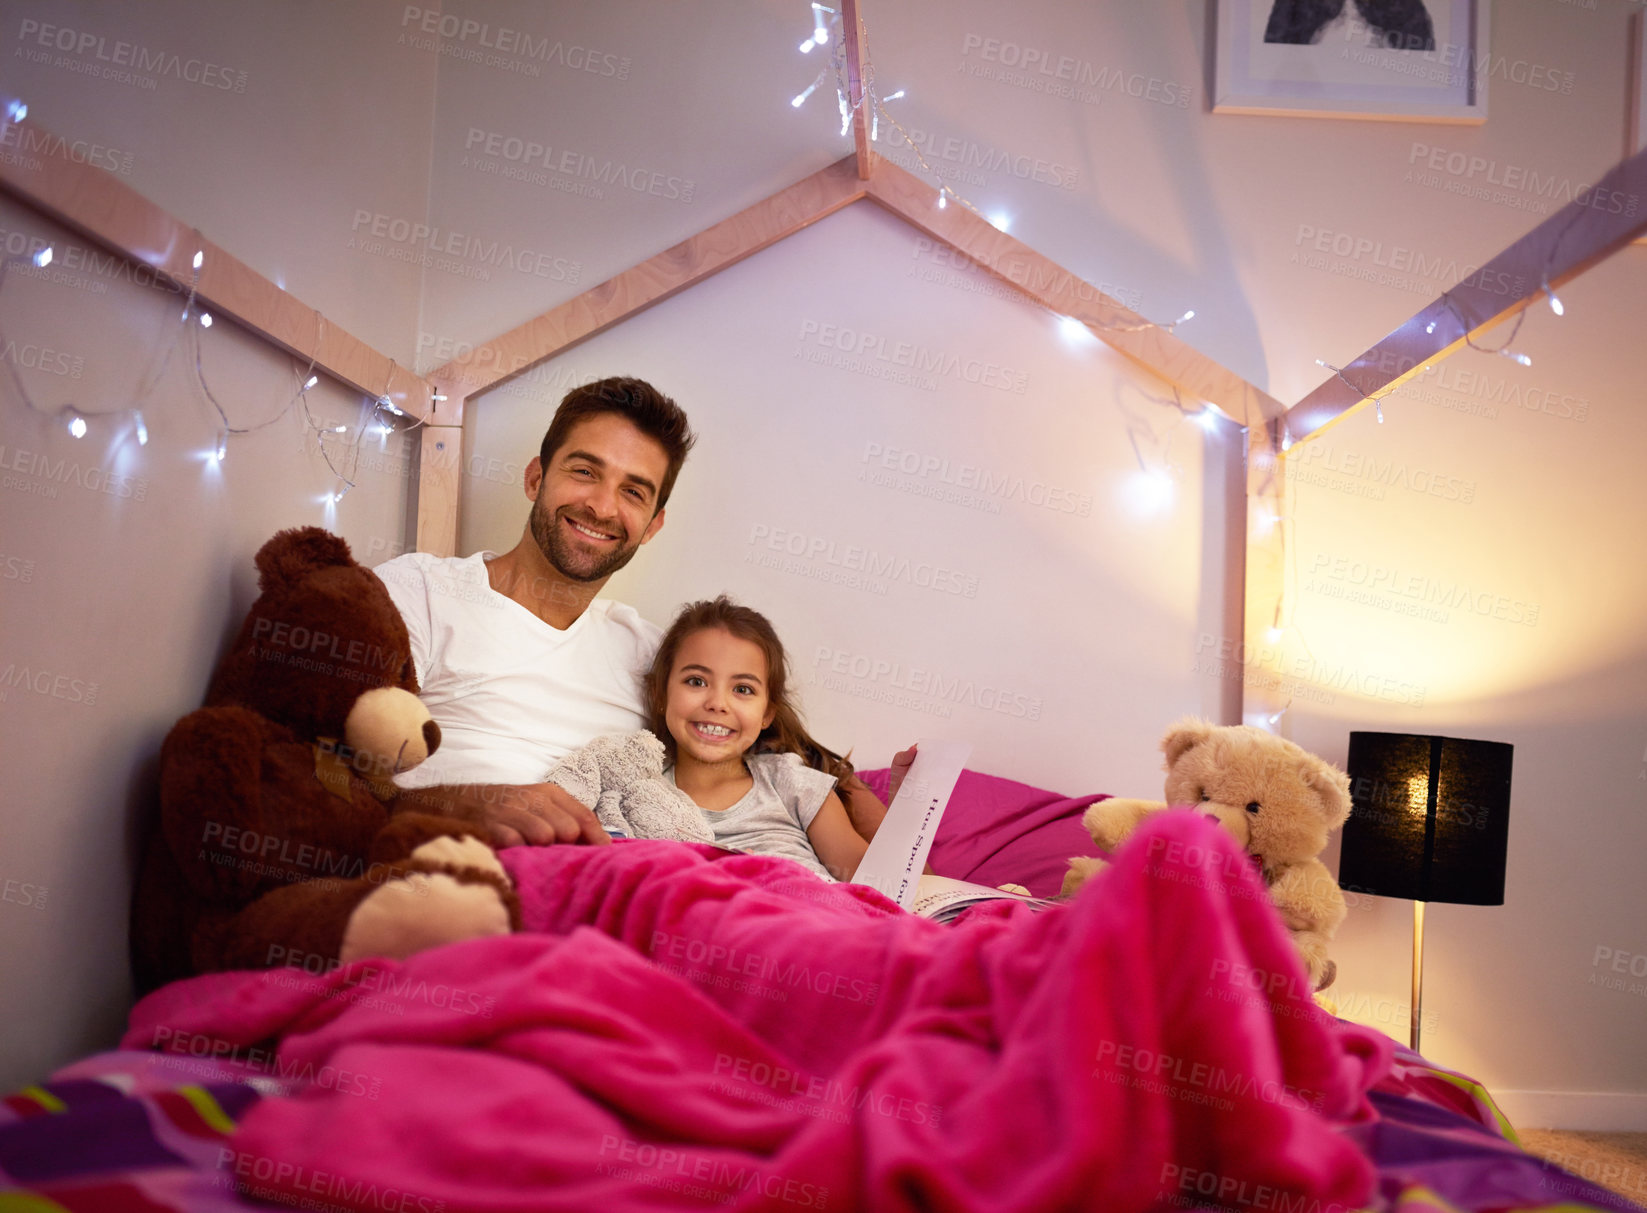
<point>519,660</point>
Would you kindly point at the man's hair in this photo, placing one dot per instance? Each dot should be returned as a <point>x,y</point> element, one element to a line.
<point>637,402</point>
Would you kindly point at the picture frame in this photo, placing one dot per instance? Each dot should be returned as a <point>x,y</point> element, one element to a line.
<point>1441,74</point>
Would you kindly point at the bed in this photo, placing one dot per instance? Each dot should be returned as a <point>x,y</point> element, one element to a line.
<point>679,1026</point>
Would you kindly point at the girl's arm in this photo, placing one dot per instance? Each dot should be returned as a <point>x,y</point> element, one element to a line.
<point>862,805</point>
<point>838,845</point>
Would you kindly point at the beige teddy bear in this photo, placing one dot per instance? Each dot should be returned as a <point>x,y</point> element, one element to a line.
<point>1277,800</point>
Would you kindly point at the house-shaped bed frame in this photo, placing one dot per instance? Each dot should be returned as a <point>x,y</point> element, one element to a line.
<point>97,205</point>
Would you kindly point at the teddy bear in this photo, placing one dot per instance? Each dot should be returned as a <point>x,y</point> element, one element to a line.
<point>281,839</point>
<point>621,778</point>
<point>1277,800</point>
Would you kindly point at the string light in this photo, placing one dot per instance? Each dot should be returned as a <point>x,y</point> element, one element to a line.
<point>78,422</point>
<point>17,111</point>
<point>800,98</point>
<point>1503,350</point>
<point>1555,302</point>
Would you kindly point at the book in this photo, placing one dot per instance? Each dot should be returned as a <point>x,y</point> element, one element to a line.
<point>943,899</point>
<point>892,864</point>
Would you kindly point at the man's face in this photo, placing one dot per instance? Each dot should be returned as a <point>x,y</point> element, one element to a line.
<point>596,502</point>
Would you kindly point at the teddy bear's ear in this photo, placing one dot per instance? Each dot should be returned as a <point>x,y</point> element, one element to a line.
<point>1185,735</point>
<point>1333,786</point>
<point>292,555</point>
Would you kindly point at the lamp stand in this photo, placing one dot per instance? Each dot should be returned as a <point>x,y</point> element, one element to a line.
<point>1418,972</point>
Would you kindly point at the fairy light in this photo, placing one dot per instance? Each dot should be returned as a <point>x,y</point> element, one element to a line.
<point>141,427</point>
<point>820,26</point>
<point>76,423</point>
<point>806,47</point>
<point>222,450</point>
<point>199,258</point>
<point>800,98</point>
<point>205,320</point>
<point>943,197</point>
<point>310,382</point>
<point>1000,220</point>
<point>17,111</point>
<point>43,258</point>
<point>1556,305</point>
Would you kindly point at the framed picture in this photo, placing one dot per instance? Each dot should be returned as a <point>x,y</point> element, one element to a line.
<point>1391,60</point>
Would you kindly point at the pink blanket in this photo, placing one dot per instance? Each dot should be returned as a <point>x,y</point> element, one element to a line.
<point>679,1027</point>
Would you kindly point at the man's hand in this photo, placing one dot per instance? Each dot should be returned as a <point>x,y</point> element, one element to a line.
<point>538,814</point>
<point>512,815</point>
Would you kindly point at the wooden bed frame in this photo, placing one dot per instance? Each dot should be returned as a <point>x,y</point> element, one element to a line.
<point>97,205</point>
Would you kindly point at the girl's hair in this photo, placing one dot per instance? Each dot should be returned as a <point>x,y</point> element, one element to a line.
<point>786,734</point>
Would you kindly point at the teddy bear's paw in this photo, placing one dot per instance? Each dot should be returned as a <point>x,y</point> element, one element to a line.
<point>423,910</point>
<point>468,851</point>
<point>1082,868</point>
<point>1328,974</point>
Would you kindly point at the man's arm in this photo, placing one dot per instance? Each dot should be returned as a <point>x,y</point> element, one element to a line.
<point>535,814</point>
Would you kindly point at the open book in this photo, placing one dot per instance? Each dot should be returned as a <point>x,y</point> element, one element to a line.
<point>898,852</point>
<point>942,899</point>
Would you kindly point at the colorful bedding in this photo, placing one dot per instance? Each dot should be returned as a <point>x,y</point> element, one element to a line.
<point>679,1027</point>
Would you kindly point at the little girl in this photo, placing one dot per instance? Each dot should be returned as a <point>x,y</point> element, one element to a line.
<point>717,698</point>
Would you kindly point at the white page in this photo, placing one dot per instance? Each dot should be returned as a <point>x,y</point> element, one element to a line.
<point>898,852</point>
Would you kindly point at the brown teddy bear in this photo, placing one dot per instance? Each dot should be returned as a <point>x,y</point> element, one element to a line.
<point>1277,800</point>
<point>280,839</point>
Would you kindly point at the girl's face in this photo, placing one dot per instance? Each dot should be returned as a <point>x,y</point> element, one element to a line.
<point>717,703</point>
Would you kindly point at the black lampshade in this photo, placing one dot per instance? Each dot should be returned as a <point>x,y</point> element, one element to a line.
<point>1431,818</point>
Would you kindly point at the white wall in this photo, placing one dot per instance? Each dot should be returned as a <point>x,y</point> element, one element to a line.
<point>1105,620</point>
<point>124,568</point>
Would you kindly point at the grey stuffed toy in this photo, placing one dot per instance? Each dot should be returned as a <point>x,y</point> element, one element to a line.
<point>621,778</point>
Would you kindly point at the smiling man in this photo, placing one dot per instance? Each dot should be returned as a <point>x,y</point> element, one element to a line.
<point>519,659</point>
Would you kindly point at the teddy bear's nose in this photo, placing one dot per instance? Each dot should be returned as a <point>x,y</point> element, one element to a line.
<point>431,736</point>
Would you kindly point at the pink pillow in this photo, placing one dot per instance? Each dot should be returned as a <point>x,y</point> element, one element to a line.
<point>997,831</point>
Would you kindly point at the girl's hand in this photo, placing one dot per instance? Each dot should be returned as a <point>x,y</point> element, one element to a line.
<point>901,762</point>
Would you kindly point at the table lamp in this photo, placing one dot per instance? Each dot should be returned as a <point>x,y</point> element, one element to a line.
<point>1430,822</point>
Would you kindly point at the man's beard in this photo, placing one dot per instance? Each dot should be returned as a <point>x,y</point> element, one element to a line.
<point>557,548</point>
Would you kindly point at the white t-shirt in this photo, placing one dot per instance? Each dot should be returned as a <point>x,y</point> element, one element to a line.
<point>512,695</point>
<point>773,816</point>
